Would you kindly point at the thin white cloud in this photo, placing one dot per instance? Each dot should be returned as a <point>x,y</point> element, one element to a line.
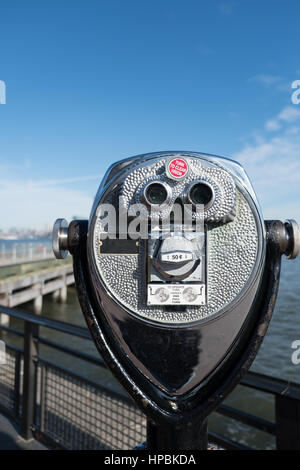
<point>266,79</point>
<point>38,203</point>
<point>271,81</point>
<point>57,182</point>
<point>288,115</point>
<point>204,50</point>
<point>283,211</point>
<point>274,168</point>
<point>293,130</point>
<point>226,8</point>
<point>272,125</point>
<point>26,205</point>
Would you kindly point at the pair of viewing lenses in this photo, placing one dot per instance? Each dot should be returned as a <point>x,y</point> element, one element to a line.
<point>157,193</point>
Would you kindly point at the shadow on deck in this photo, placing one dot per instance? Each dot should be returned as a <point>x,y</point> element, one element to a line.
<point>10,438</point>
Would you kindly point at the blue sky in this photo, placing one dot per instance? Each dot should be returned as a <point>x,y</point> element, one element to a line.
<point>91,82</point>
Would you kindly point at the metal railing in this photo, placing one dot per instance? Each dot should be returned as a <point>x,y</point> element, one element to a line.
<point>67,410</point>
<point>57,406</point>
<point>22,253</point>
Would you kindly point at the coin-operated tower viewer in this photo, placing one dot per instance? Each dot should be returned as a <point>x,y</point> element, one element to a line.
<point>177,275</point>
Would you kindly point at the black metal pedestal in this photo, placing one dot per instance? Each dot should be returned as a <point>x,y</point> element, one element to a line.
<point>191,436</point>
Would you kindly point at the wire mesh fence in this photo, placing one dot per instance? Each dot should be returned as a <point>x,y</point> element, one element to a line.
<point>78,414</point>
<point>71,412</point>
<point>10,382</point>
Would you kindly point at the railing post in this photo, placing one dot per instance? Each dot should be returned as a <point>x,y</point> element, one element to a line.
<point>30,252</point>
<point>287,423</point>
<point>29,378</point>
<point>17,384</point>
<point>42,399</point>
<point>14,253</point>
<point>3,251</point>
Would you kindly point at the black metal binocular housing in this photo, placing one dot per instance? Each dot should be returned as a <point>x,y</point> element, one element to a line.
<point>177,275</point>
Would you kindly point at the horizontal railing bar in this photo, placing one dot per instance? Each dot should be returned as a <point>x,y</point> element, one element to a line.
<point>12,330</point>
<point>226,443</point>
<point>254,380</point>
<point>66,349</point>
<point>105,388</point>
<point>248,419</point>
<point>48,322</point>
<point>271,385</point>
<point>73,352</point>
<point>14,348</point>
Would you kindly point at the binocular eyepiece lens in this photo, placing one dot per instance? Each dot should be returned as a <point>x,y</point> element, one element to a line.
<point>156,194</point>
<point>201,193</point>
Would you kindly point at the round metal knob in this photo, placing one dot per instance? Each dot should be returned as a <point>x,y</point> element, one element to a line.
<point>293,236</point>
<point>60,239</point>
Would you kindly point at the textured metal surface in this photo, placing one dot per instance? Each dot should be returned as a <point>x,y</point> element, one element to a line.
<point>220,180</point>
<point>233,253</point>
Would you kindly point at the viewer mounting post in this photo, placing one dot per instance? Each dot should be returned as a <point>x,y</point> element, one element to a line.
<point>177,275</point>
<point>31,333</point>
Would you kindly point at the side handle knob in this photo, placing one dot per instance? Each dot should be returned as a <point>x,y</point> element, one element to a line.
<point>60,239</point>
<point>293,238</point>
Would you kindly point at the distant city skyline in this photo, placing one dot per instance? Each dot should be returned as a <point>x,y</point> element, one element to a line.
<point>25,234</point>
<point>89,83</point>
<point>28,232</point>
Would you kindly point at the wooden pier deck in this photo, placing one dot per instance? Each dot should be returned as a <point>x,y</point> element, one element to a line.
<point>18,289</point>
